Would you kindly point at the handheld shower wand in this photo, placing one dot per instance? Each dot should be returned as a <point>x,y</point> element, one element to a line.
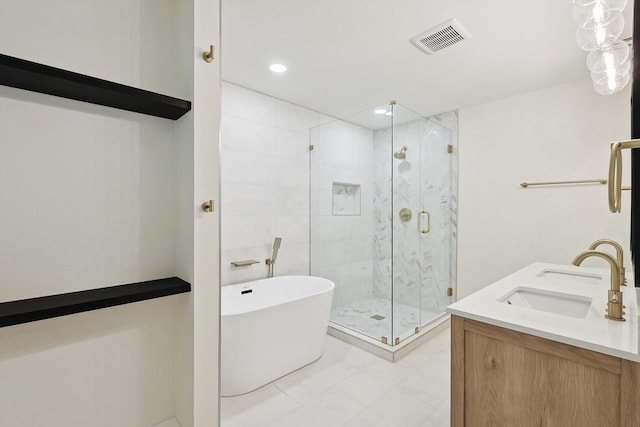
<point>271,261</point>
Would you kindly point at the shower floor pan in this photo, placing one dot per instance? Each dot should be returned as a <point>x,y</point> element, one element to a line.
<point>365,322</point>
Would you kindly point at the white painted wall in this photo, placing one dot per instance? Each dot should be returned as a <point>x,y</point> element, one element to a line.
<point>265,183</point>
<point>85,188</point>
<point>206,186</point>
<point>110,367</point>
<point>93,196</point>
<point>558,133</point>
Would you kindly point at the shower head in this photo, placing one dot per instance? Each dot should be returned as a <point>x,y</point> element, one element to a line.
<point>401,155</point>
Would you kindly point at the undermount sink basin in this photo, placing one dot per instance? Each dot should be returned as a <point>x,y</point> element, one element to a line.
<point>548,301</point>
<point>570,276</point>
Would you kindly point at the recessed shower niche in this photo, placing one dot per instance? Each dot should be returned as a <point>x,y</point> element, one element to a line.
<point>393,277</point>
<point>345,199</point>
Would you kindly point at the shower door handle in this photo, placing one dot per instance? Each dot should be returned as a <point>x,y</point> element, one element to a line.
<point>420,229</point>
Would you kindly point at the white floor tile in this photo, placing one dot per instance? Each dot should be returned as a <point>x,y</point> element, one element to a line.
<point>436,348</point>
<point>369,384</point>
<point>396,408</point>
<point>306,383</point>
<point>429,391</point>
<point>349,387</point>
<point>439,418</point>
<point>258,408</point>
<point>331,408</point>
<point>349,354</point>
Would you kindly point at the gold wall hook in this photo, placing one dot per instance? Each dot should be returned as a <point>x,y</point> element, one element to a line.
<point>207,206</point>
<point>208,56</point>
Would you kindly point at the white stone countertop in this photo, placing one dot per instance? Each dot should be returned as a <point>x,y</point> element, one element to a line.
<point>593,332</point>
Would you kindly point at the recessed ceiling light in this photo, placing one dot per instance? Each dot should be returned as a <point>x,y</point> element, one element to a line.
<point>278,68</point>
<point>380,111</point>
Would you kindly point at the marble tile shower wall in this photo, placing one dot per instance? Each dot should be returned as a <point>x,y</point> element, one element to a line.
<point>265,183</point>
<point>341,243</point>
<point>382,200</point>
<point>423,264</point>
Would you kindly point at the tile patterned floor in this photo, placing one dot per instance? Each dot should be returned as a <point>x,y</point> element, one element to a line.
<point>348,387</point>
<point>357,316</point>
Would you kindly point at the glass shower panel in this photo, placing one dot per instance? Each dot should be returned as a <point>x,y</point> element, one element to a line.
<point>343,247</point>
<point>382,219</point>
<point>436,217</point>
<point>407,204</point>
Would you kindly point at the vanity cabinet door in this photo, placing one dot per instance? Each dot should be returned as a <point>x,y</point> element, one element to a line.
<point>506,378</point>
<point>510,385</point>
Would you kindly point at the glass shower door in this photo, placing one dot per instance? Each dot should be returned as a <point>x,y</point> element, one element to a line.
<point>435,218</point>
<point>422,221</point>
<point>406,172</point>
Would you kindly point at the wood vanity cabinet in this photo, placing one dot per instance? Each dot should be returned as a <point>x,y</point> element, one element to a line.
<point>501,377</point>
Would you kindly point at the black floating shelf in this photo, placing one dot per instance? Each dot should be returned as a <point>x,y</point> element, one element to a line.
<point>22,74</point>
<point>32,309</point>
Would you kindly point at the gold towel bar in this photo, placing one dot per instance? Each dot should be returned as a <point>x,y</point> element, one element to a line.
<point>582,181</point>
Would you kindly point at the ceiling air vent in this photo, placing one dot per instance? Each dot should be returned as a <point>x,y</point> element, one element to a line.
<point>441,36</point>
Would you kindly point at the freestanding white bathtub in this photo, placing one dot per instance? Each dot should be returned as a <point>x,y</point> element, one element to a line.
<point>271,327</point>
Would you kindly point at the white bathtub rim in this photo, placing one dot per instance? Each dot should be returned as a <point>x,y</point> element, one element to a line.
<point>227,311</point>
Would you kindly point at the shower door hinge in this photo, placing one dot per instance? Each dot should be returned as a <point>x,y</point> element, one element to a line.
<point>449,292</point>
<point>311,147</point>
<point>449,148</point>
<point>383,340</point>
<point>397,340</point>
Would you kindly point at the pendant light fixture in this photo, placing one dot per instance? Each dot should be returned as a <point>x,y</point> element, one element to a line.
<point>600,24</point>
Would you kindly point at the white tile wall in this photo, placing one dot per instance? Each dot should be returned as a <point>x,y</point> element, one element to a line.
<point>341,245</point>
<point>265,183</point>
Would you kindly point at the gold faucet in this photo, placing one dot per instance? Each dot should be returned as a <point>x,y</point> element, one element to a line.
<point>619,256</point>
<point>614,304</point>
<point>271,261</point>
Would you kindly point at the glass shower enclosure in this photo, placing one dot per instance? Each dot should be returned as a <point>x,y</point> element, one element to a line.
<point>382,219</point>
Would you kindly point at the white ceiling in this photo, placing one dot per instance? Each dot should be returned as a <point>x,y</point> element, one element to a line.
<point>345,56</point>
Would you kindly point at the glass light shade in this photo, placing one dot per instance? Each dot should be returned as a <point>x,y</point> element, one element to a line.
<point>612,56</point>
<point>612,74</point>
<point>592,35</point>
<point>614,71</point>
<point>584,9</point>
<point>608,86</point>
